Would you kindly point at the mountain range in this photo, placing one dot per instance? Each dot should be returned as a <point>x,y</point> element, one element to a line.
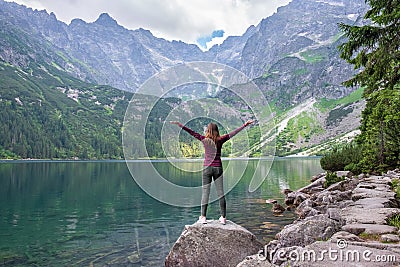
<point>84,73</point>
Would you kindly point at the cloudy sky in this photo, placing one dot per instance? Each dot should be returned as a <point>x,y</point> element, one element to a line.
<point>192,21</point>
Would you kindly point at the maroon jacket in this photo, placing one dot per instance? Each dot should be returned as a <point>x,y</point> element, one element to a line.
<point>212,152</point>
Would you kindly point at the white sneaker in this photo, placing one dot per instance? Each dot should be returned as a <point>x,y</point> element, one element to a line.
<point>202,219</point>
<point>222,220</point>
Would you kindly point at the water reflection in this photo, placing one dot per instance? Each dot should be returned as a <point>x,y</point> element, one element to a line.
<point>69,213</point>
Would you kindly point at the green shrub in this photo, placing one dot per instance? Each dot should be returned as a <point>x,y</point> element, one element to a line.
<point>353,167</point>
<point>332,178</point>
<point>396,187</point>
<point>394,220</point>
<point>346,157</point>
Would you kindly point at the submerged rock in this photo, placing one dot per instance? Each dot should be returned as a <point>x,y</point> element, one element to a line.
<point>212,244</point>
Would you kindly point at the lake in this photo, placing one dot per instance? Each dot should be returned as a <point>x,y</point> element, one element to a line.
<point>80,213</point>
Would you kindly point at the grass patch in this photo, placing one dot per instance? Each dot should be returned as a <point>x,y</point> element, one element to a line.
<point>300,72</point>
<point>266,75</point>
<point>298,131</point>
<point>328,104</point>
<point>312,57</point>
<point>332,178</point>
<point>394,220</point>
<point>396,187</point>
<point>370,237</point>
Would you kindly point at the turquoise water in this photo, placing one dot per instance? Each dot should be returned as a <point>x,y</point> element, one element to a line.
<point>93,213</point>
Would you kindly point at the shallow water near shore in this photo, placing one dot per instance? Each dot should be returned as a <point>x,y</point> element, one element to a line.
<point>82,213</point>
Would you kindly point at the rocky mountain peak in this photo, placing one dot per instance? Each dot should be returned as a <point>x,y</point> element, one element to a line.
<point>77,22</point>
<point>303,34</point>
<point>106,20</point>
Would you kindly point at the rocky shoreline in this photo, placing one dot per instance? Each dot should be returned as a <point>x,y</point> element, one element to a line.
<point>345,224</point>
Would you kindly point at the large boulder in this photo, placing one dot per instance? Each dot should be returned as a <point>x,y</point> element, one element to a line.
<point>212,244</point>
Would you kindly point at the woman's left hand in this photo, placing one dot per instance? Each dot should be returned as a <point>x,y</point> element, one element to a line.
<point>247,123</point>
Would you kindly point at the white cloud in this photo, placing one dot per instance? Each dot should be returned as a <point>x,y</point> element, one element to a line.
<point>171,19</point>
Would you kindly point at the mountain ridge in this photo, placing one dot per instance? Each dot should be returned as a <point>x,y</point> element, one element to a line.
<point>129,57</point>
<point>292,57</point>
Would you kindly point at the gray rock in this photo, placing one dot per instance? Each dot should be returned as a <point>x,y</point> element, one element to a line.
<point>352,256</point>
<point>306,203</point>
<point>283,255</point>
<point>299,198</point>
<point>317,183</point>
<point>330,197</point>
<point>316,177</point>
<point>343,235</point>
<point>390,238</point>
<point>334,214</point>
<point>344,173</point>
<point>362,176</point>
<point>345,204</point>
<point>378,180</point>
<point>307,231</point>
<point>315,190</point>
<point>376,186</point>
<point>344,195</point>
<point>376,202</point>
<point>254,261</point>
<point>336,186</point>
<point>324,198</point>
<point>360,193</point>
<point>347,184</point>
<point>295,198</point>
<point>369,216</point>
<point>366,185</point>
<point>307,212</point>
<point>358,228</point>
<point>212,244</point>
<point>393,174</point>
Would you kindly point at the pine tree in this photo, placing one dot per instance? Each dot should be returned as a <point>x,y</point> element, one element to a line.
<point>374,49</point>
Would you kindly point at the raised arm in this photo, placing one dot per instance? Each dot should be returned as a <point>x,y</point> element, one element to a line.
<point>234,132</point>
<point>190,131</point>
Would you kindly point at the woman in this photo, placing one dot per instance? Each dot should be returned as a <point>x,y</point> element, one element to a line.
<point>212,143</point>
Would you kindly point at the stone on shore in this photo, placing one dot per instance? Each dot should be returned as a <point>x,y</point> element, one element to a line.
<point>390,238</point>
<point>351,215</point>
<point>308,231</point>
<point>374,203</point>
<point>254,261</point>
<point>358,228</point>
<point>371,216</point>
<point>212,244</point>
<point>349,254</point>
<point>343,235</point>
<point>360,193</point>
